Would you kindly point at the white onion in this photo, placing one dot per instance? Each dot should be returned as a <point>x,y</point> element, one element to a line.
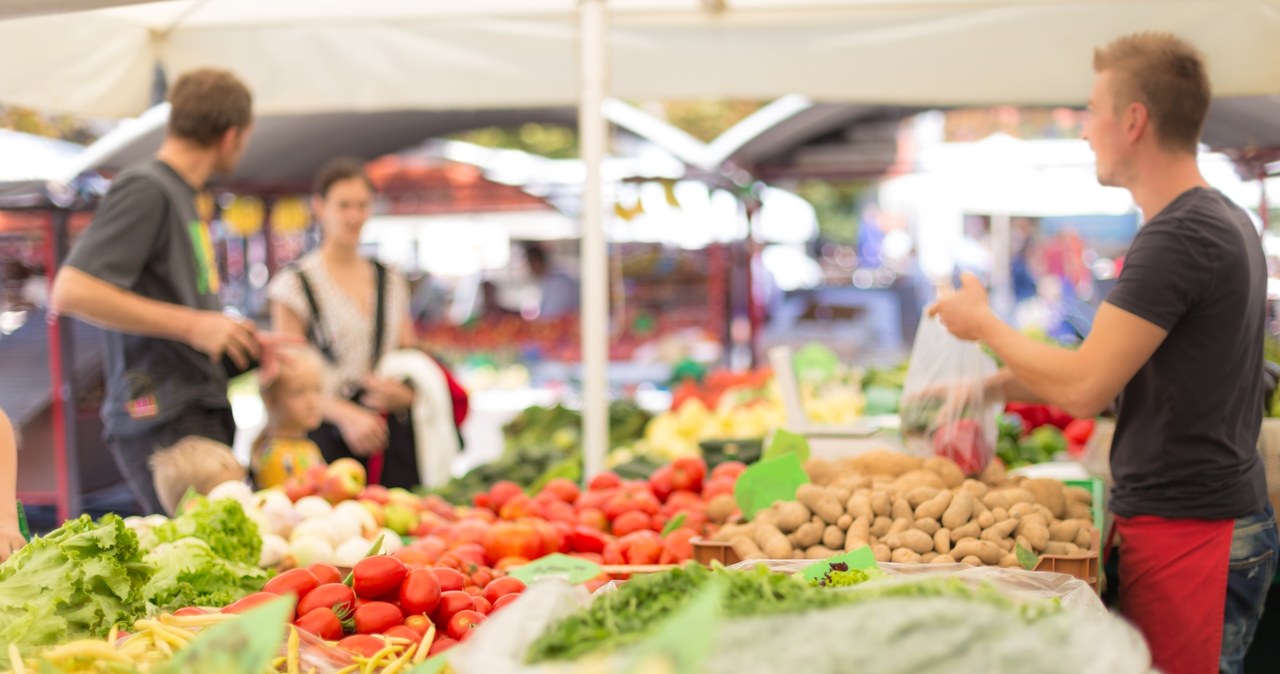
<point>318,528</point>
<point>351,552</point>
<point>311,507</point>
<point>235,490</point>
<point>274,549</point>
<point>368,524</point>
<point>309,550</point>
<point>390,542</point>
<point>346,526</point>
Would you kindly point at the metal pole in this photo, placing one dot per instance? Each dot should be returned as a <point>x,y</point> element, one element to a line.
<point>62,378</point>
<point>592,131</point>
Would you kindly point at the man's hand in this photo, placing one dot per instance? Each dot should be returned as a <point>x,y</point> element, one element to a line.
<point>965,313</point>
<point>386,395</point>
<point>10,537</point>
<point>217,335</point>
<point>364,431</point>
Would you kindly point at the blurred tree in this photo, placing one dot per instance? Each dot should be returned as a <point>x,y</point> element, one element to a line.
<point>836,206</point>
<point>64,127</point>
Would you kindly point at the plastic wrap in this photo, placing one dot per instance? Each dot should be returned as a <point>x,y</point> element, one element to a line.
<point>945,409</point>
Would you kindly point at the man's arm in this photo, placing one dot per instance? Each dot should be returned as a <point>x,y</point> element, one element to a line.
<point>1006,386</point>
<point>1081,382</point>
<point>79,294</point>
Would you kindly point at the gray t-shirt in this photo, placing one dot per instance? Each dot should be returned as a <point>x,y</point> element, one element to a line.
<point>147,238</point>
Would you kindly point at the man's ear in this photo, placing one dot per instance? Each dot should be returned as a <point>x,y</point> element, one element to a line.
<point>1137,122</point>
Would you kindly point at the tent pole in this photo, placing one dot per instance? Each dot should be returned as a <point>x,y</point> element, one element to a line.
<point>592,132</point>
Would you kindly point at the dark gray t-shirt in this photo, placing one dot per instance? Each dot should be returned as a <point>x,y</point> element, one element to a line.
<point>147,238</point>
<point>1187,431</point>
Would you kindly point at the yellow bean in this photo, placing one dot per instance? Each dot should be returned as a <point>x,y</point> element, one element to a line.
<point>399,662</point>
<point>348,670</point>
<point>15,659</point>
<point>378,658</point>
<point>89,649</point>
<point>275,664</point>
<point>424,646</point>
<point>292,653</point>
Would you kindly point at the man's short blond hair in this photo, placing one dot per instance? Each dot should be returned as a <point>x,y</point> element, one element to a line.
<point>192,463</point>
<point>1167,75</point>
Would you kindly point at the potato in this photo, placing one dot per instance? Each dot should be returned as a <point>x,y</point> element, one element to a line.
<point>916,540</point>
<point>885,462</point>
<point>1026,544</point>
<point>859,534</point>
<point>946,469</point>
<point>808,535</point>
<point>746,548</point>
<point>881,505</point>
<point>1079,495</point>
<point>1010,561</point>
<point>1064,531</point>
<point>905,556</point>
<point>942,541</point>
<point>799,554</point>
<point>1021,509</point>
<point>1079,511</point>
<point>928,557</point>
<point>859,505</point>
<point>819,552</point>
<point>971,560</point>
<point>1018,495</point>
<point>1000,514</point>
<point>974,487</point>
<point>853,482</point>
<point>1048,493</point>
<point>1005,544</point>
<point>721,508</point>
<point>918,478</point>
<point>958,511</point>
<point>935,507</point>
<point>1000,530</point>
<point>1034,530</point>
<point>985,520</point>
<point>968,530</point>
<point>899,526</point>
<point>1044,512</point>
<point>943,559</point>
<point>821,501</point>
<point>768,517</point>
<point>902,509</point>
<point>882,553</point>
<point>1084,539</point>
<point>1060,548</point>
<point>791,516</point>
<point>921,494</point>
<point>833,537</point>
<point>928,525</point>
<point>996,499</point>
<point>772,541</point>
<point>881,526</point>
<point>988,552</point>
<point>821,472</point>
<point>845,521</point>
<point>994,474</point>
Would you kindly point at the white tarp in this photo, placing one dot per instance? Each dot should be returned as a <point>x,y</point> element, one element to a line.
<point>329,55</point>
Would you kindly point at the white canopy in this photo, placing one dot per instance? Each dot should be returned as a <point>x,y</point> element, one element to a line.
<point>336,55</point>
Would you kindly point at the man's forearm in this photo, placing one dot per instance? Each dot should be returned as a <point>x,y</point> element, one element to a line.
<point>1006,385</point>
<point>1038,372</point>
<point>78,294</point>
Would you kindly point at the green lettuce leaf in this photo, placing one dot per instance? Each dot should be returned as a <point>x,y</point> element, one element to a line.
<point>188,573</point>
<point>221,523</point>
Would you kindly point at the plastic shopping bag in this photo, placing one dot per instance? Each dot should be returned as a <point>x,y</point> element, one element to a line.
<point>946,410</point>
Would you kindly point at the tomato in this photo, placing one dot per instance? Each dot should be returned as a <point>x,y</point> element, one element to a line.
<point>502,491</point>
<point>627,501</point>
<point>325,573</point>
<point>593,518</point>
<point>630,522</point>
<point>507,563</point>
<point>449,579</point>
<point>189,611</point>
<point>481,605</point>
<point>462,623</point>
<point>336,596</point>
<point>563,488</point>
<point>502,587</point>
<point>323,623</point>
<point>473,591</point>
<point>420,592</point>
<point>403,632</point>
<point>468,531</point>
<point>729,469</point>
<point>586,539</point>
<point>378,576</point>
<point>441,645</point>
<point>641,547</point>
<point>503,601</point>
<point>377,617</point>
<point>519,507</point>
<point>251,602</point>
<point>604,481</point>
<point>662,482</point>
<point>676,546</point>
<point>688,474</point>
<point>482,577</point>
<point>363,644</point>
<point>418,623</point>
<point>415,558</point>
<point>470,554</point>
<point>297,582</point>
<point>451,603</point>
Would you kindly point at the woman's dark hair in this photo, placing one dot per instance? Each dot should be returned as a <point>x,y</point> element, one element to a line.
<point>338,170</point>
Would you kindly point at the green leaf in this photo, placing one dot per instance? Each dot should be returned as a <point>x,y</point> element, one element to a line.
<point>569,569</point>
<point>862,558</point>
<point>768,481</point>
<point>246,644</point>
<point>431,665</point>
<point>675,523</point>
<point>1026,558</point>
<point>785,442</point>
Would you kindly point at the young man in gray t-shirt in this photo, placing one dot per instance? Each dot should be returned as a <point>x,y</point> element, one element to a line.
<point>145,271</point>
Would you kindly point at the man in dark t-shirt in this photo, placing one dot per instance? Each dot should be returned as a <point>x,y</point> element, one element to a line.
<point>1179,343</point>
<point>145,271</point>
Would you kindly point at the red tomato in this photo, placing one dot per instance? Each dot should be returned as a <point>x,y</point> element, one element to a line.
<point>297,582</point>
<point>378,576</point>
<point>450,579</point>
<point>688,474</point>
<point>325,573</point>
<point>323,623</point>
<point>502,491</point>
<point>604,481</point>
<point>441,645</point>
<point>362,644</point>
<point>482,605</point>
<point>501,587</point>
<point>586,539</point>
<point>336,596</point>
<point>451,603</point>
<point>462,623</point>
<point>564,489</point>
<point>473,591</point>
<point>188,611</point>
<point>482,577</point>
<point>377,617</point>
<point>418,623</point>
<point>503,601</point>
<point>403,632</point>
<point>729,469</point>
<point>414,557</point>
<point>251,602</point>
<point>630,522</point>
<point>420,592</point>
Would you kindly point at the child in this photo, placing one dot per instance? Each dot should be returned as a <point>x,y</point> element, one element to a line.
<point>294,399</point>
<point>10,534</point>
<point>192,463</point>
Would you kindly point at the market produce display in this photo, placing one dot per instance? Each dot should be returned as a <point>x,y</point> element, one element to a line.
<point>910,510</point>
